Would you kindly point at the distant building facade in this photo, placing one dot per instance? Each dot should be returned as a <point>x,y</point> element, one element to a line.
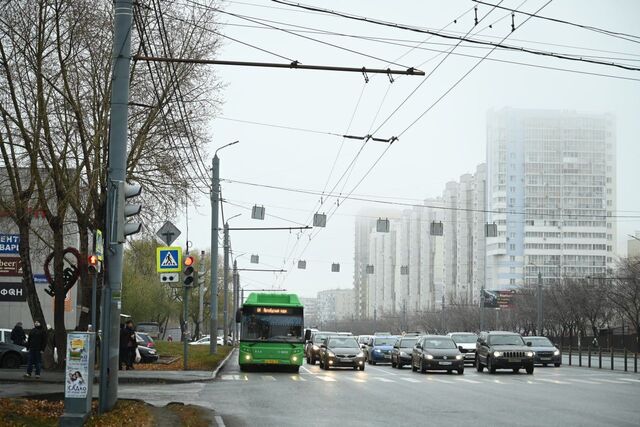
<point>334,305</point>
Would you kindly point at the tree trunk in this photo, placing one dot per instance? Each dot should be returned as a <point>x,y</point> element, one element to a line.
<point>33,301</point>
<point>60,336</point>
<point>84,285</point>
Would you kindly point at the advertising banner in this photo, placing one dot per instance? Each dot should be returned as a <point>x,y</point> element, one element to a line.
<point>9,243</point>
<point>12,292</point>
<point>498,299</point>
<point>10,266</point>
<point>77,371</point>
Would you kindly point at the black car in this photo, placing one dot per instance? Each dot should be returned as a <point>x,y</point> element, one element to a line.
<point>545,352</point>
<point>12,356</point>
<point>341,351</point>
<point>144,339</point>
<point>437,353</point>
<point>503,350</point>
<point>401,351</point>
<point>148,355</point>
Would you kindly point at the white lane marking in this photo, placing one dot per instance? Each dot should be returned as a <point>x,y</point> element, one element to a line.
<point>610,381</point>
<point>268,378</point>
<point>440,381</point>
<point>384,371</point>
<point>552,381</point>
<point>297,378</point>
<point>325,378</point>
<point>577,380</point>
<point>468,381</point>
<point>358,380</point>
<point>411,380</point>
<point>308,371</point>
<point>384,380</point>
<point>219,421</point>
<point>226,377</point>
<point>629,379</point>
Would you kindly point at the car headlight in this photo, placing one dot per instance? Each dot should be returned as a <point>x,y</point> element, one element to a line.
<point>556,353</point>
<point>530,354</point>
<point>376,350</point>
<point>361,354</point>
<point>428,356</point>
<point>497,353</point>
<point>24,349</point>
<point>331,353</point>
<point>152,352</point>
<point>459,357</point>
<point>315,347</point>
<point>403,354</point>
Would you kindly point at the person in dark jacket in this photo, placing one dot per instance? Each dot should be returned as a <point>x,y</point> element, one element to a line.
<point>123,347</point>
<point>132,343</point>
<point>18,337</point>
<point>35,344</point>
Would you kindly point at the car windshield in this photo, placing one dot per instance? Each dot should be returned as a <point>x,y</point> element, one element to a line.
<point>272,327</point>
<point>319,338</point>
<point>506,340</point>
<point>384,341</point>
<point>439,343</point>
<point>464,338</point>
<point>342,343</point>
<point>408,342</point>
<point>540,342</point>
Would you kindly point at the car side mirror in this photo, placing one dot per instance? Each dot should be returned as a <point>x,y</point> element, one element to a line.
<point>307,335</point>
<point>460,348</point>
<point>528,343</point>
<point>419,346</point>
<point>323,346</point>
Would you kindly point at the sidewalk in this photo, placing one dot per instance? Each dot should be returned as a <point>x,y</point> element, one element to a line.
<point>124,377</point>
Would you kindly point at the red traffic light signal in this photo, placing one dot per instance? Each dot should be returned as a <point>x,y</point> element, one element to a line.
<point>189,271</point>
<point>189,261</point>
<point>93,260</point>
<point>93,264</point>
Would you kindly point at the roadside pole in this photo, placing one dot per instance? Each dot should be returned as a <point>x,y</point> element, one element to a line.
<point>213,297</point>
<point>201,275</point>
<point>540,302</point>
<point>235,300</point>
<point>185,327</point>
<point>225,281</point>
<point>116,173</point>
<point>482,309</point>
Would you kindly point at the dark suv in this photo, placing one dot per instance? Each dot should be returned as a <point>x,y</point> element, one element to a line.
<point>312,347</point>
<point>503,350</point>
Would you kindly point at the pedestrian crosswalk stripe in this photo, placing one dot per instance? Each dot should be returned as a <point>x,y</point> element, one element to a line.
<point>325,378</point>
<point>358,380</point>
<point>440,381</point>
<point>577,380</point>
<point>384,380</point>
<point>552,381</point>
<point>297,378</point>
<point>411,380</point>
<point>610,381</point>
<point>468,381</point>
<point>268,378</point>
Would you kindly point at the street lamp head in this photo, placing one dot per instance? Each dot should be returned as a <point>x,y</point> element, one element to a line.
<point>224,146</point>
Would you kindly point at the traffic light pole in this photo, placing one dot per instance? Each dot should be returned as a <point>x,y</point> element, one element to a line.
<point>117,155</point>
<point>185,327</point>
<point>201,275</point>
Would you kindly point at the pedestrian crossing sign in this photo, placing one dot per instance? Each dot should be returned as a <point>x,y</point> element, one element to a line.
<point>168,259</point>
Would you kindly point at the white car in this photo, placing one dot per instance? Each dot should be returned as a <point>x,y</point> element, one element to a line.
<point>206,341</point>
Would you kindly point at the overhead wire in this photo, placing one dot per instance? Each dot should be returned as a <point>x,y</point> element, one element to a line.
<point>464,39</point>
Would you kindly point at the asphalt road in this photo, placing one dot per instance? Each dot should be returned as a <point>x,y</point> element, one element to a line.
<point>382,396</point>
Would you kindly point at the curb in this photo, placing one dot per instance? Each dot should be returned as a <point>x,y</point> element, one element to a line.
<point>215,372</point>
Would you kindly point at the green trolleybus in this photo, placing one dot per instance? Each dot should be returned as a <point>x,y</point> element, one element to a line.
<point>271,331</point>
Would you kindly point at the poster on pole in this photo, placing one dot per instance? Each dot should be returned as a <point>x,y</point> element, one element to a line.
<point>77,370</point>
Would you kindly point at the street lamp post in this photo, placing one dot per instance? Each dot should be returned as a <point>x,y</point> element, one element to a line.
<point>540,304</point>
<point>215,202</point>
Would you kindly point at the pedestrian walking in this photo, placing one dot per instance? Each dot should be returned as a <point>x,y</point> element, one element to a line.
<point>18,337</point>
<point>132,343</point>
<point>35,344</point>
<point>122,359</point>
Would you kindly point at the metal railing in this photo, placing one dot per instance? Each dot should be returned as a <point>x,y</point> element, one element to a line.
<point>614,358</point>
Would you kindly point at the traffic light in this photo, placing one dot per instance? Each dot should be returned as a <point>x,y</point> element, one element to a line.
<point>93,264</point>
<point>125,210</point>
<point>189,272</point>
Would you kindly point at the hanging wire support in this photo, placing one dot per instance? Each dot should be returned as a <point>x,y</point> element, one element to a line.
<point>364,73</point>
<point>391,80</point>
<point>513,22</point>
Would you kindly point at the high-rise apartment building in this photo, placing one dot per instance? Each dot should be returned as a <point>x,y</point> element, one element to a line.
<point>334,305</point>
<point>551,190</point>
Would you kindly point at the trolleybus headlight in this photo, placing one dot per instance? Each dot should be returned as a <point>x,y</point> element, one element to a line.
<point>294,358</point>
<point>247,357</point>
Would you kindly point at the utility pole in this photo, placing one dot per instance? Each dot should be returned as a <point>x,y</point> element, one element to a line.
<point>225,281</point>
<point>482,309</point>
<point>185,327</point>
<point>235,300</point>
<point>201,274</point>
<point>116,173</point>
<point>540,302</point>
<point>442,314</point>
